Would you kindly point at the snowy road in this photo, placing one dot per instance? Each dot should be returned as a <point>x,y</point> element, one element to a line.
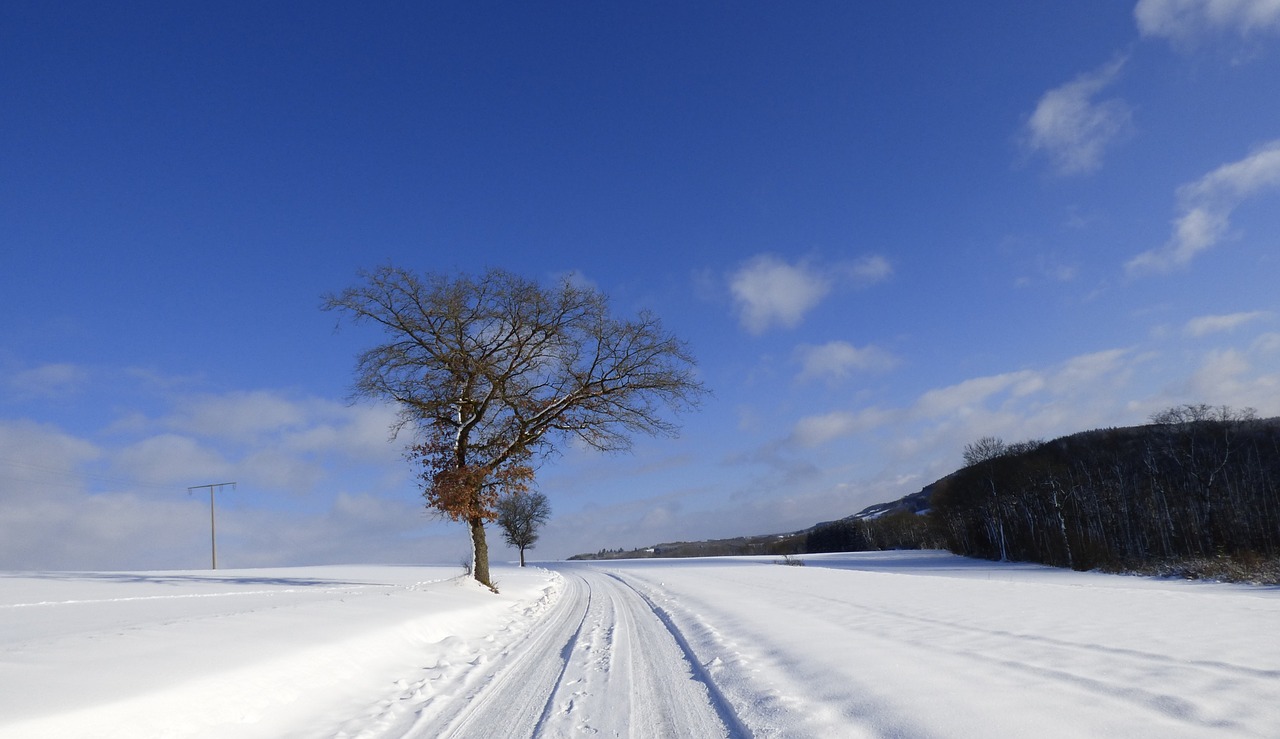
<point>602,662</point>
<point>892,644</point>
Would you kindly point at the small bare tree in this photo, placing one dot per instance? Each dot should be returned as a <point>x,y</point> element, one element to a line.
<point>520,515</point>
<point>988,447</point>
<point>493,372</point>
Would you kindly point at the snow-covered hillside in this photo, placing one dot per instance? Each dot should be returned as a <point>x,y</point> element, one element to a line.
<point>905,644</point>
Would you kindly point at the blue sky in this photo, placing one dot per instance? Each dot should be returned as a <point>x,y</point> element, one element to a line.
<point>885,229</point>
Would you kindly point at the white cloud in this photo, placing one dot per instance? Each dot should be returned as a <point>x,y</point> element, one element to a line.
<point>1079,374</point>
<point>1228,377</point>
<point>355,527</point>
<point>836,360</point>
<point>67,503</point>
<point>358,432</point>
<point>769,292</point>
<point>871,269</point>
<point>1238,180</point>
<point>47,518</point>
<point>239,416</point>
<point>1072,128</point>
<point>1184,20</point>
<point>33,454</point>
<point>265,421</point>
<point>172,459</point>
<point>814,431</point>
<point>1025,402</point>
<point>1206,206</point>
<point>264,440</point>
<point>103,531</point>
<point>1060,272</point>
<point>866,450</point>
<point>1205,325</point>
<point>1266,344</point>
<point>965,396</point>
<point>48,381</point>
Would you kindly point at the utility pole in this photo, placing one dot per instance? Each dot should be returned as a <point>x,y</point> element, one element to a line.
<point>213,529</point>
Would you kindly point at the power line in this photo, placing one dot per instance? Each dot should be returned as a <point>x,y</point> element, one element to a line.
<point>73,474</point>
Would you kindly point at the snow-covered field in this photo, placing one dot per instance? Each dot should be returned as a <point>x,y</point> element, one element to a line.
<point>892,644</point>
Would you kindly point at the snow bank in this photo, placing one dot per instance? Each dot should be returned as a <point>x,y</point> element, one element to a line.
<point>250,653</point>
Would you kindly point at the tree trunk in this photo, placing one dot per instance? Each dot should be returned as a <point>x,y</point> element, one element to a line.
<point>480,569</point>
<point>522,556</point>
<point>1062,528</point>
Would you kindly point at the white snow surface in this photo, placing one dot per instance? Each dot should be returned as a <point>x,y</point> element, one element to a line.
<point>885,644</point>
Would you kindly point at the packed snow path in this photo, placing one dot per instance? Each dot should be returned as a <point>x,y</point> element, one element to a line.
<point>893,644</point>
<point>603,662</point>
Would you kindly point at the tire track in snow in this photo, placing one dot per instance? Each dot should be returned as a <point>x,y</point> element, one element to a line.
<point>631,673</point>
<point>1110,673</point>
<point>516,699</point>
<point>604,659</point>
<point>724,709</point>
<point>1088,647</point>
<point>1114,673</point>
<point>565,653</point>
<point>494,686</point>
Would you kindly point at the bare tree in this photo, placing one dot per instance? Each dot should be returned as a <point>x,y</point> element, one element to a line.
<point>521,515</point>
<point>986,448</point>
<point>1202,412</point>
<point>983,452</point>
<point>493,372</point>
<point>1205,440</point>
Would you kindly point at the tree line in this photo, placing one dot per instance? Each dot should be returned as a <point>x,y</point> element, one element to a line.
<point>1199,481</point>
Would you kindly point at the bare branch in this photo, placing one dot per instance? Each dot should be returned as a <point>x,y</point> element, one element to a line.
<point>494,370</point>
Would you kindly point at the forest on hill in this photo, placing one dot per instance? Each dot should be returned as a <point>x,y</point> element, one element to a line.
<point>1196,493</point>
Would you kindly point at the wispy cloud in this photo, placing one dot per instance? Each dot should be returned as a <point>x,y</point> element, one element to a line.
<point>1111,387</point>
<point>242,416</point>
<point>48,381</point>
<point>870,269</point>
<point>1185,20</point>
<point>66,502</point>
<point>51,519</point>
<point>1233,377</point>
<point>836,360</point>
<point>172,459</point>
<point>964,396</point>
<point>814,431</point>
<point>1032,399</point>
<point>1206,206</point>
<point>29,449</point>
<point>1072,127</point>
<point>1078,374</point>
<point>1205,325</point>
<point>1267,344</point>
<point>769,292</point>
